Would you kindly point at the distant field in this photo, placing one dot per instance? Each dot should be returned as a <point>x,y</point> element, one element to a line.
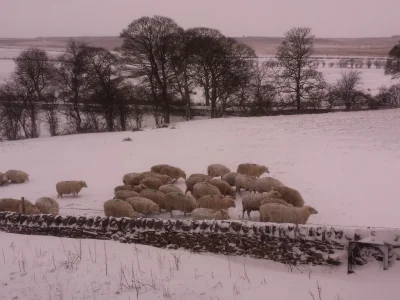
<point>375,47</point>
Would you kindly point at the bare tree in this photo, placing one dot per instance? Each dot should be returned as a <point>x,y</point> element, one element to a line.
<point>298,74</point>
<point>392,66</point>
<point>389,95</point>
<point>12,111</point>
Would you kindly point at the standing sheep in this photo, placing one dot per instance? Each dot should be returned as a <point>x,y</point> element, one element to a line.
<point>139,188</point>
<point>252,202</point>
<point>277,213</point>
<point>200,175</point>
<point>155,196</point>
<point>245,182</point>
<point>30,208</point>
<point>275,200</point>
<point>223,187</point>
<point>152,182</point>
<point>252,169</point>
<point>173,172</point>
<point>143,205</point>
<point>210,214</point>
<point>290,195</point>
<point>123,188</point>
<point>118,208</point>
<point>17,176</point>
<point>3,179</point>
<point>70,187</point>
<point>216,202</point>
<point>230,178</point>
<point>47,206</point>
<point>9,204</point>
<point>164,178</point>
<point>267,184</point>
<point>169,188</point>
<point>179,201</point>
<point>132,178</point>
<point>157,168</point>
<point>201,189</point>
<point>123,195</point>
<point>217,170</point>
<point>192,180</point>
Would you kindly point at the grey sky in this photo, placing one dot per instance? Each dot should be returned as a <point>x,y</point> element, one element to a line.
<point>335,18</point>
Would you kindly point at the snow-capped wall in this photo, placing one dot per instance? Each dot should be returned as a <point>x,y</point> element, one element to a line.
<point>289,244</point>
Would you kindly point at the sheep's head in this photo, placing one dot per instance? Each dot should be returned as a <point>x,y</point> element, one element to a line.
<point>275,194</point>
<point>231,202</point>
<point>154,209</point>
<point>264,169</point>
<point>183,174</point>
<point>312,210</point>
<point>83,184</point>
<point>222,214</point>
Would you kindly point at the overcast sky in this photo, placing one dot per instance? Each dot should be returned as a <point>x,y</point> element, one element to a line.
<point>335,18</point>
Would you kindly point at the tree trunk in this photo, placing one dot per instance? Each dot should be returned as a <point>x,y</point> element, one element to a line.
<point>166,114</point>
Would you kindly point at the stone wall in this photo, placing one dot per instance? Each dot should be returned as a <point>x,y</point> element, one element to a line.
<point>289,244</point>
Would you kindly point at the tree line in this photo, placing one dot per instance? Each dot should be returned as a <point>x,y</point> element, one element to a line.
<point>156,71</point>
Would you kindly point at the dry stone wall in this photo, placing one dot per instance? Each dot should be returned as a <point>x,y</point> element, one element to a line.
<point>289,244</point>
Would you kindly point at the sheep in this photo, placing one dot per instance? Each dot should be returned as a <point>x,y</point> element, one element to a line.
<point>204,188</point>
<point>164,178</point>
<point>200,175</point>
<point>209,214</point>
<point>143,205</point>
<point>47,206</point>
<point>223,187</point>
<point>70,187</point>
<point>275,200</point>
<point>169,188</point>
<point>252,202</point>
<point>244,182</point>
<point>155,196</point>
<point>191,181</point>
<point>277,213</point>
<point>118,208</point>
<point>173,172</point>
<point>9,204</point>
<point>157,168</point>
<point>3,179</point>
<point>230,178</point>
<point>290,195</point>
<point>123,188</point>
<point>152,182</point>
<point>252,169</point>
<point>132,178</point>
<point>217,170</point>
<point>17,176</point>
<point>266,184</point>
<point>30,208</point>
<point>139,188</point>
<point>123,195</point>
<point>216,202</point>
<point>179,201</point>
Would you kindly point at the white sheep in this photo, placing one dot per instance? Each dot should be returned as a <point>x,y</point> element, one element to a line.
<point>216,202</point>
<point>164,178</point>
<point>217,170</point>
<point>210,214</point>
<point>204,188</point>
<point>123,188</point>
<point>157,168</point>
<point>230,178</point>
<point>9,204</point>
<point>245,182</point>
<point>173,172</point>
<point>47,205</point>
<point>277,213</point>
<point>123,195</point>
<point>139,188</point>
<point>30,208</point>
<point>223,187</point>
<point>132,178</point>
<point>70,187</point>
<point>152,182</point>
<point>17,176</point>
<point>275,200</point>
<point>155,196</point>
<point>179,201</point>
<point>3,179</point>
<point>266,184</point>
<point>200,175</point>
<point>252,169</point>
<point>169,188</point>
<point>192,180</point>
<point>118,208</point>
<point>143,205</point>
<point>290,195</point>
<point>252,202</point>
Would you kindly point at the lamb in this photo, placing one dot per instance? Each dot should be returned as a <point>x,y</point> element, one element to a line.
<point>3,179</point>
<point>70,187</point>
<point>173,172</point>
<point>252,202</point>
<point>290,195</point>
<point>244,182</point>
<point>217,170</point>
<point>230,178</point>
<point>223,187</point>
<point>204,188</point>
<point>152,182</point>
<point>157,168</point>
<point>164,178</point>
<point>118,208</point>
<point>192,180</point>
<point>216,202</point>
<point>210,214</point>
<point>132,178</point>
<point>155,196</point>
<point>17,176</point>
<point>277,213</point>
<point>169,188</point>
<point>143,205</point>
<point>179,201</point>
<point>47,206</point>
<point>267,184</point>
<point>252,169</point>
<point>123,195</point>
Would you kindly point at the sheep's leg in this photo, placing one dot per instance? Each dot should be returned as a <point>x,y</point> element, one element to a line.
<point>248,213</point>
<point>243,213</point>
<point>184,213</point>
<point>170,212</point>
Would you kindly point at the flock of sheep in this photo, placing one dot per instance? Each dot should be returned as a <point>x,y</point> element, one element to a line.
<point>207,196</point>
